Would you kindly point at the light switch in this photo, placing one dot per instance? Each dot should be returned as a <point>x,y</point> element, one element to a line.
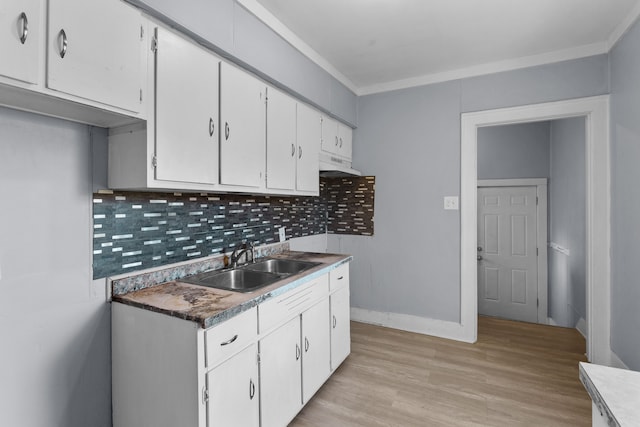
<point>451,203</point>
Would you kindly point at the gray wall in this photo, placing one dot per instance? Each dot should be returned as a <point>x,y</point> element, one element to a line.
<point>625,203</point>
<point>568,221</point>
<point>55,363</point>
<point>410,140</point>
<point>236,34</point>
<point>514,151</point>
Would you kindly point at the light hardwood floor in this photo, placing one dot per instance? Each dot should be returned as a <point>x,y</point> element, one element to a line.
<point>517,374</point>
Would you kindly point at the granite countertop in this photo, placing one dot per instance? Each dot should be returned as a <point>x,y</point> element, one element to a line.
<point>616,392</point>
<point>210,306</point>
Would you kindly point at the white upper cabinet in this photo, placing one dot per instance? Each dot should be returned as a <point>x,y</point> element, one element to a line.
<point>308,140</point>
<point>281,141</point>
<point>94,51</point>
<point>20,39</point>
<point>293,143</point>
<point>186,111</point>
<point>242,128</point>
<point>337,138</point>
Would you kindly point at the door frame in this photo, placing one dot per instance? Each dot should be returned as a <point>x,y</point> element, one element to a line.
<point>541,234</point>
<point>596,111</point>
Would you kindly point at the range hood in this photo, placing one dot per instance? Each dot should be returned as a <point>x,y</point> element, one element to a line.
<point>335,166</point>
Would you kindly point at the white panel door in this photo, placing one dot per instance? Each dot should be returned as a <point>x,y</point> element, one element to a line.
<point>243,128</point>
<point>20,37</point>
<point>308,139</point>
<point>507,253</point>
<point>186,111</point>
<point>340,327</point>
<point>233,391</point>
<point>94,51</point>
<point>281,141</point>
<point>281,375</point>
<point>316,343</point>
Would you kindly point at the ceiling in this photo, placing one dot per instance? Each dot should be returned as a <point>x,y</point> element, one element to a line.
<point>377,45</point>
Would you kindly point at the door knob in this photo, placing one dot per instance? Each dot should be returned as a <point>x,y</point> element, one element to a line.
<point>479,257</point>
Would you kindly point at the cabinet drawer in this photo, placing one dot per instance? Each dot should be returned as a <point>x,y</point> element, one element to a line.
<point>279,309</point>
<point>339,277</point>
<point>231,336</point>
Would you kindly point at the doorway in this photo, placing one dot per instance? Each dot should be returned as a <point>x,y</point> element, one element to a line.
<point>596,112</point>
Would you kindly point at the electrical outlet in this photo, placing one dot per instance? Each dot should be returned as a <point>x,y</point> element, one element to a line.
<point>282,233</point>
<point>451,203</point>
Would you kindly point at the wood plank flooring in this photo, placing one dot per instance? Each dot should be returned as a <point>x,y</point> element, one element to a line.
<point>517,374</point>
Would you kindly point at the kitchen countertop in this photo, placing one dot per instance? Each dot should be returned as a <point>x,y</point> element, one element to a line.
<point>616,392</point>
<point>209,306</point>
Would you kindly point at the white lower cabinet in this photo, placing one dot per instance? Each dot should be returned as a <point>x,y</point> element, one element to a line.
<point>233,392</point>
<point>258,368</point>
<point>280,375</point>
<point>340,327</point>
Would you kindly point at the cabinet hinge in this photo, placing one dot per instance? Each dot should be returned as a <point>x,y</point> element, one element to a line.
<point>205,395</point>
<point>154,162</point>
<point>154,44</point>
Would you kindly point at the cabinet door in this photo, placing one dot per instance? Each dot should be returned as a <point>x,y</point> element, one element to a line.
<point>233,391</point>
<point>308,138</point>
<point>186,111</point>
<point>20,36</point>
<point>281,141</point>
<point>340,327</point>
<point>329,135</point>
<point>242,121</point>
<point>94,51</point>
<point>316,346</point>
<point>345,141</point>
<point>280,375</point>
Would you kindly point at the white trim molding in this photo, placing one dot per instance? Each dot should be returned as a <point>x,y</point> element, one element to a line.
<point>541,234</point>
<point>596,112</point>
<point>410,323</point>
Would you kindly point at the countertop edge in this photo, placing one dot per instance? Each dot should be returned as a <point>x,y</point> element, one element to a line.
<point>235,310</point>
<point>596,398</point>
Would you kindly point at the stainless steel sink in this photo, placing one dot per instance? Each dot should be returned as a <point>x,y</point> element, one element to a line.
<point>281,266</point>
<point>240,280</point>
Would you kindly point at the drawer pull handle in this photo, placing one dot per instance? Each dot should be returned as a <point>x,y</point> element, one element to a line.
<point>334,322</point>
<point>235,337</point>
<point>212,127</point>
<point>252,389</point>
<point>226,131</point>
<point>293,150</point>
<point>297,352</point>
<point>306,344</point>
<point>341,277</point>
<point>25,27</point>
<point>63,49</point>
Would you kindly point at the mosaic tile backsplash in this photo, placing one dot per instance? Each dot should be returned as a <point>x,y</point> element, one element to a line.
<point>139,230</point>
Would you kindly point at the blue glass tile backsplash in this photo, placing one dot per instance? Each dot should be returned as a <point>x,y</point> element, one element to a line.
<point>137,230</point>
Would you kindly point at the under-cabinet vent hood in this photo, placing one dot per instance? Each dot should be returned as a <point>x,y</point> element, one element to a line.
<point>335,166</point>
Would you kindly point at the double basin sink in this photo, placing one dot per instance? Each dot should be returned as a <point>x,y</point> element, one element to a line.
<point>251,276</point>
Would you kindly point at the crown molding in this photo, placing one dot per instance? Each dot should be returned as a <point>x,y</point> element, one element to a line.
<point>624,26</point>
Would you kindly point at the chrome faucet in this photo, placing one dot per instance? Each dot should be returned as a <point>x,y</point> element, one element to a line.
<point>245,250</point>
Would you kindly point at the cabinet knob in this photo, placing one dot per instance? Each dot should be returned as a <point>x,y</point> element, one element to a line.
<point>226,131</point>
<point>62,36</point>
<point>293,150</point>
<point>299,151</point>
<point>25,27</point>
<point>306,344</point>
<point>297,352</point>
<point>334,322</point>
<point>212,126</point>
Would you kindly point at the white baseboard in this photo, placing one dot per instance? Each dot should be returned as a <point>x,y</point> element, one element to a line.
<point>616,362</point>
<point>581,326</point>
<point>407,322</point>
